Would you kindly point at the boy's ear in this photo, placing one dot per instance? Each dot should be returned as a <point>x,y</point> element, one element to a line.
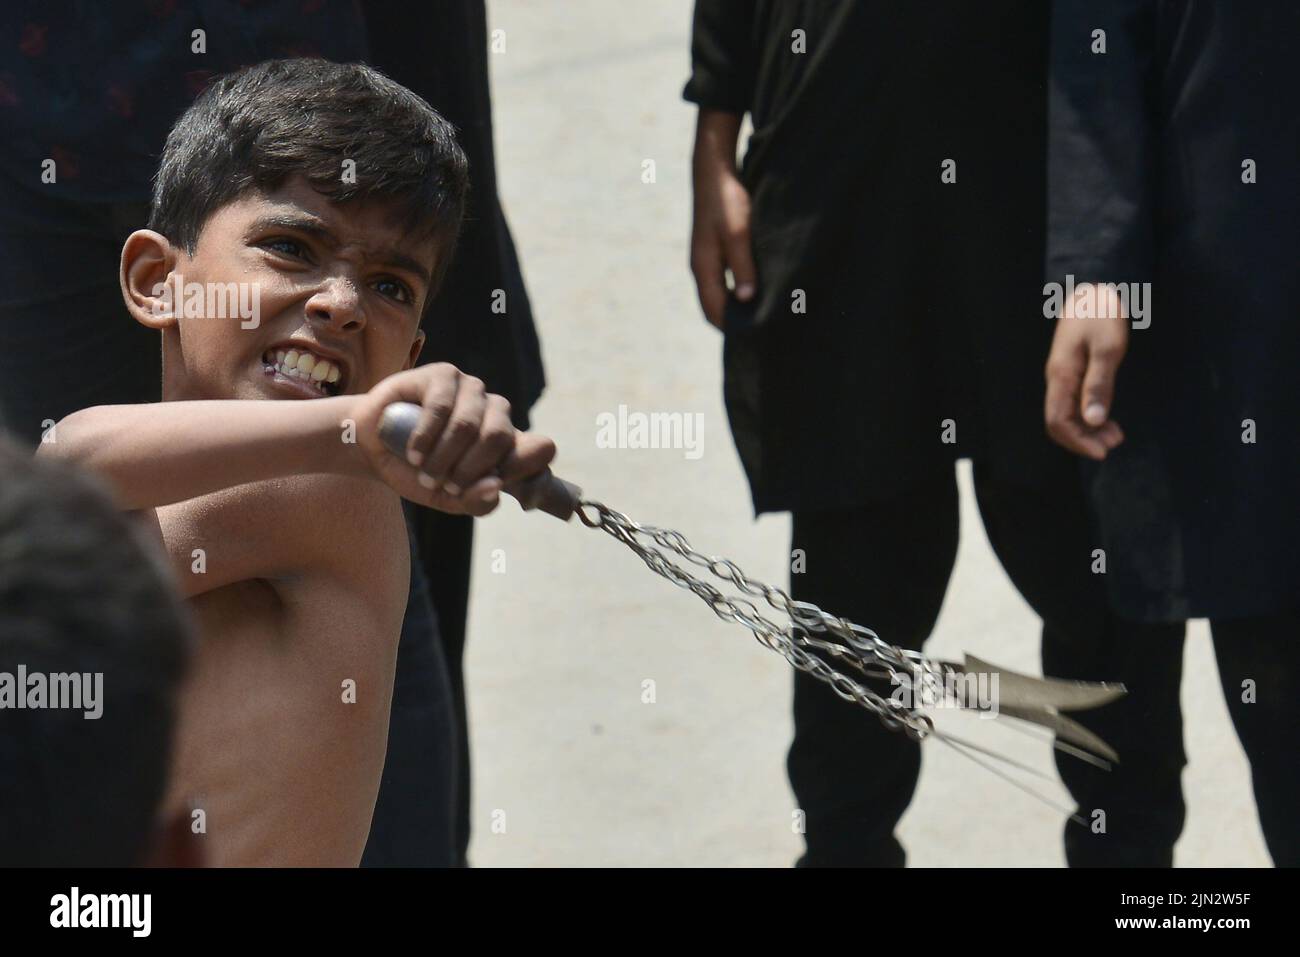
<point>416,348</point>
<point>148,260</point>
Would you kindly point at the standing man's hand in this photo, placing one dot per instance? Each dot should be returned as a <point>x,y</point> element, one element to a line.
<point>1081,370</point>
<point>720,238</point>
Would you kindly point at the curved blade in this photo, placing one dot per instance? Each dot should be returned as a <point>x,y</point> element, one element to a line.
<point>1065,728</point>
<point>1019,691</point>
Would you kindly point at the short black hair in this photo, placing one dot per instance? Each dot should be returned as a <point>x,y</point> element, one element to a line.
<point>256,127</point>
<point>81,591</point>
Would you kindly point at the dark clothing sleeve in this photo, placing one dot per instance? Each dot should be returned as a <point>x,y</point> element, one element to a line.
<point>1153,149</point>
<point>722,55</point>
<point>440,52</point>
<point>1101,141</point>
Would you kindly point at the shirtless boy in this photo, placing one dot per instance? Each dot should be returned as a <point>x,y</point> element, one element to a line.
<point>335,195</point>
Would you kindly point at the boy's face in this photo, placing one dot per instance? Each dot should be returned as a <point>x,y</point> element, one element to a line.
<point>341,284</point>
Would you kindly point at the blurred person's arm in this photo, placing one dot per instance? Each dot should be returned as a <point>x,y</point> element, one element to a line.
<point>721,84</point>
<point>1101,130</point>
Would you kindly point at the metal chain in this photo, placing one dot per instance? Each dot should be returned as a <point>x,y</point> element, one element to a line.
<point>859,647</point>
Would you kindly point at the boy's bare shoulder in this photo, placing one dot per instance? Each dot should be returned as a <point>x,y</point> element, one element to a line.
<point>348,530</point>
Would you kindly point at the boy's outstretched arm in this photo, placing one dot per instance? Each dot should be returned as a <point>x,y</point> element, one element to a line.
<point>271,489</point>
<point>161,453</point>
<point>164,452</point>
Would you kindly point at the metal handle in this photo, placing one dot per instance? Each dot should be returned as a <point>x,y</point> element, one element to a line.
<point>544,491</point>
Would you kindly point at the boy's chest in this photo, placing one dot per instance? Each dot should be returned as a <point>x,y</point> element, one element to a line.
<point>287,702</point>
<point>297,630</point>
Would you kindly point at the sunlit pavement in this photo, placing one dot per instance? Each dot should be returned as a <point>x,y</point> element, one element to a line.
<point>574,765</point>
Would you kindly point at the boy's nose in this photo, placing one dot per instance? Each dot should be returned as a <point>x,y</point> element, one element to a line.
<point>337,303</point>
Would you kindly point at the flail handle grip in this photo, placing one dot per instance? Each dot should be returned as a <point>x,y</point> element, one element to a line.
<point>545,491</point>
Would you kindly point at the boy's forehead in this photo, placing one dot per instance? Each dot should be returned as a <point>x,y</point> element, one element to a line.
<point>373,225</point>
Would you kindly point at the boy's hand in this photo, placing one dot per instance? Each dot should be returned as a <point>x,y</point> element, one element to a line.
<point>464,449</point>
<point>1081,370</point>
<point>720,227</point>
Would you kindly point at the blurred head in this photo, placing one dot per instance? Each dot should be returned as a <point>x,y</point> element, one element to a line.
<point>304,214</point>
<point>83,595</point>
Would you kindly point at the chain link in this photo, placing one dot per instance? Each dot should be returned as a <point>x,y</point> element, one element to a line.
<point>858,647</point>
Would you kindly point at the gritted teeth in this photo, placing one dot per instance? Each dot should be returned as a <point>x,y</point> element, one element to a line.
<point>301,364</point>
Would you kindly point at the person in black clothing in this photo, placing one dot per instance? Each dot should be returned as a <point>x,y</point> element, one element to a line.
<point>466,322</point>
<point>94,88</point>
<point>884,235</point>
<point>1173,145</point>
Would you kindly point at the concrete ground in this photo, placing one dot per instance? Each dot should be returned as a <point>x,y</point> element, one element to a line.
<point>572,766</point>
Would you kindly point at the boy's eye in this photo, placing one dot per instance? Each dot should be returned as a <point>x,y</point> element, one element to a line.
<point>393,290</point>
<point>287,247</point>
